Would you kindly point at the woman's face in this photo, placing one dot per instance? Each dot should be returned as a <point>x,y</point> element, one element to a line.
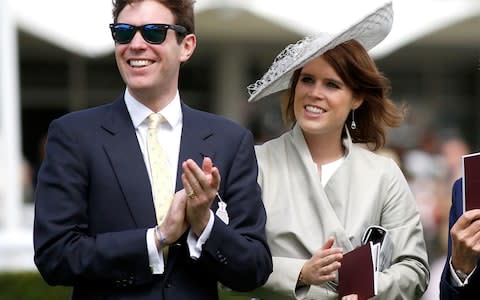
<point>322,100</point>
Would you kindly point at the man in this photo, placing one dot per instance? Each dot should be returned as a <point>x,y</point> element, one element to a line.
<point>97,203</point>
<point>461,274</point>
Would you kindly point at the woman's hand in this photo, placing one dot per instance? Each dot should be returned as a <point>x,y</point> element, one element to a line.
<point>321,267</point>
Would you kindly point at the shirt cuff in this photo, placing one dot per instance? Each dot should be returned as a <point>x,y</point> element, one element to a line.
<point>155,258</point>
<point>195,246</point>
<point>456,282</point>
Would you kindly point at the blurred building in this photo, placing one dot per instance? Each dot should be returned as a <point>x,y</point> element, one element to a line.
<point>63,54</point>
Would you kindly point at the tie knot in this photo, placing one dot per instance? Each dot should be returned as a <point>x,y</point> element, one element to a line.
<point>154,119</point>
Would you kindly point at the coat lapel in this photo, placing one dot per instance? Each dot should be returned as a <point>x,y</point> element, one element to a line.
<point>325,206</point>
<point>194,142</point>
<point>127,161</point>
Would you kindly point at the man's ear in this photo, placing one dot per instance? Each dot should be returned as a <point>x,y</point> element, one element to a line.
<point>188,46</point>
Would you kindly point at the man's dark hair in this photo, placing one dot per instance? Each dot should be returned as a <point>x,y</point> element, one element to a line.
<point>182,11</point>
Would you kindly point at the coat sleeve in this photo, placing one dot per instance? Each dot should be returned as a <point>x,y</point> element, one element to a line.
<point>66,251</point>
<point>238,253</point>
<point>408,275</point>
<point>447,290</point>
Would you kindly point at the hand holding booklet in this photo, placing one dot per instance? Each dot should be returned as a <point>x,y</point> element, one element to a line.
<point>360,267</point>
<point>471,181</point>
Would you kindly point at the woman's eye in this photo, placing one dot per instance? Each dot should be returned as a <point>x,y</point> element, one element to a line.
<point>333,85</point>
<point>306,80</point>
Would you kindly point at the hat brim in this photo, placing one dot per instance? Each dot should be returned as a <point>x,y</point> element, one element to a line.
<point>368,31</point>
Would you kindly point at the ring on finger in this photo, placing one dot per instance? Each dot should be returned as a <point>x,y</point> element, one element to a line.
<point>192,195</point>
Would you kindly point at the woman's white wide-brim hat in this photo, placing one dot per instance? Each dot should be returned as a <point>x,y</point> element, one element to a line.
<point>368,31</point>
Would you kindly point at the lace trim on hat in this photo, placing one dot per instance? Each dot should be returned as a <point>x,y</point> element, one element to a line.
<point>281,64</point>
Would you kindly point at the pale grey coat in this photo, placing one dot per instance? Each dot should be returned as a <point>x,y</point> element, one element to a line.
<point>367,189</point>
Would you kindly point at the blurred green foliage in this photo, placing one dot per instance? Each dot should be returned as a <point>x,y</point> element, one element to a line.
<point>29,286</point>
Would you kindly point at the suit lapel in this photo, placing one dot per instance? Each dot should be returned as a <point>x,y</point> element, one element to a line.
<point>121,146</point>
<point>194,142</point>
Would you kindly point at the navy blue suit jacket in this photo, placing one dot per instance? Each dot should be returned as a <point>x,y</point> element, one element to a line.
<point>93,206</point>
<point>447,290</point>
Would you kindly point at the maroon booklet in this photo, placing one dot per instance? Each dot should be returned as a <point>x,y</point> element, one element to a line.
<point>356,274</point>
<point>471,181</point>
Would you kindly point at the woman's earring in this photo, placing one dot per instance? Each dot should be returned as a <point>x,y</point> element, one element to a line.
<point>353,125</point>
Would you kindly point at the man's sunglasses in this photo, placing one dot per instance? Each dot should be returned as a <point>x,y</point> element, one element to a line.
<point>123,33</point>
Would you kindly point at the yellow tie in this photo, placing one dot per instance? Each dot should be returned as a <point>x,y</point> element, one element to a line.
<point>159,169</point>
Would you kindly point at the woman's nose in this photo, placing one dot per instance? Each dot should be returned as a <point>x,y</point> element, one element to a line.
<point>317,91</point>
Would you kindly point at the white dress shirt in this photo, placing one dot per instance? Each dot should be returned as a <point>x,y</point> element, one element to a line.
<point>169,136</point>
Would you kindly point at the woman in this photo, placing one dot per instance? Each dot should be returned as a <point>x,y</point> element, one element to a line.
<point>321,188</point>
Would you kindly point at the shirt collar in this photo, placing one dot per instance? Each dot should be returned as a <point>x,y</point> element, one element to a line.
<point>139,112</point>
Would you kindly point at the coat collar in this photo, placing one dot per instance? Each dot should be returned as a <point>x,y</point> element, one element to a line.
<point>299,139</point>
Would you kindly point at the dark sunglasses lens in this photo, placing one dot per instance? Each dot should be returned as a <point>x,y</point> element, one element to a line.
<point>123,33</point>
<point>154,34</point>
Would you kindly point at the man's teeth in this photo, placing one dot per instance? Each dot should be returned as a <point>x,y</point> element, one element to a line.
<point>314,109</point>
<point>140,63</point>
